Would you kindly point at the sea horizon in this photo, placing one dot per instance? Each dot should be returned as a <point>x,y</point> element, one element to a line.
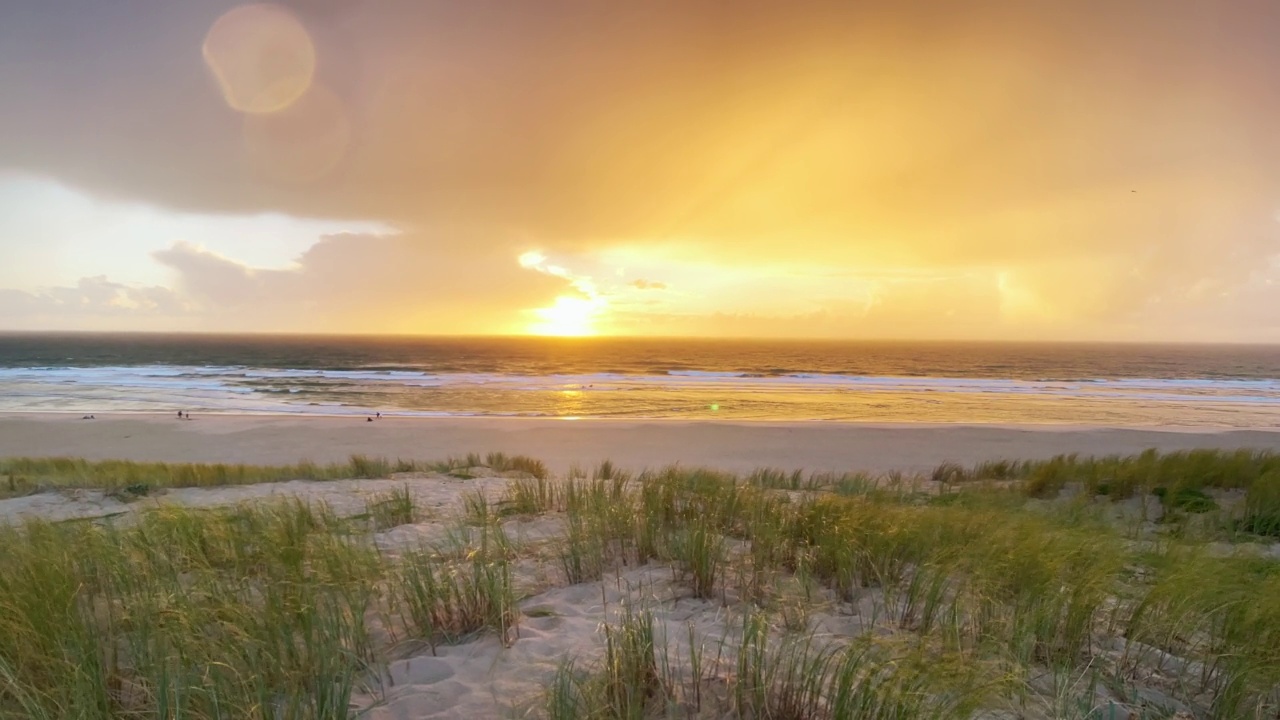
<point>889,381</point>
<point>607,337</point>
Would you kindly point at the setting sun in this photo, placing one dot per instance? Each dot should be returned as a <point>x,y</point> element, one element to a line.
<point>566,317</point>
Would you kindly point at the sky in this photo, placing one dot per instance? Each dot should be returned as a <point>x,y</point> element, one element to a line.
<point>991,170</point>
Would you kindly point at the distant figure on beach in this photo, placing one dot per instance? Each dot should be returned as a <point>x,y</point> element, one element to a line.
<point>87,417</point>
<point>179,414</point>
<point>379,415</point>
<point>368,419</point>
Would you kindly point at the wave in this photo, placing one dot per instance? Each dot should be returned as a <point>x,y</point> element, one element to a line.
<point>705,374</point>
<point>234,388</point>
<point>222,376</point>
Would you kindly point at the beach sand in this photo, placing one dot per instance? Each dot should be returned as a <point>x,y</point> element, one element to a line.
<point>635,445</point>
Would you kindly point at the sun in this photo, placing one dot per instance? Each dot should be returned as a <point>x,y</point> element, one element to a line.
<point>566,317</point>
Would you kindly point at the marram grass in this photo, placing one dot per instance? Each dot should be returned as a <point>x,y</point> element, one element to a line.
<point>980,577</point>
<point>20,476</point>
<point>966,596</point>
<point>246,613</point>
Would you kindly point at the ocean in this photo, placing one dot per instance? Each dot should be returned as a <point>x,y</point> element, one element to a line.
<point>740,380</point>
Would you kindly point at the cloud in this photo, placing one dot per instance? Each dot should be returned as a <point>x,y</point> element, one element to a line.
<point>93,303</point>
<point>595,119</point>
<point>1002,139</point>
<point>219,281</point>
<point>648,285</point>
<point>385,284</point>
<point>366,283</point>
<point>894,307</point>
<point>344,283</point>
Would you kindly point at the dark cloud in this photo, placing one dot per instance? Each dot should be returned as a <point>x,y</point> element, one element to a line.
<point>579,119</point>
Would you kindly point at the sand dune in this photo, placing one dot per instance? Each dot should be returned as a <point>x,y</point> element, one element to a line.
<point>494,676</point>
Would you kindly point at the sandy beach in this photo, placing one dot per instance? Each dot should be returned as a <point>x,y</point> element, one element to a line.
<point>738,447</point>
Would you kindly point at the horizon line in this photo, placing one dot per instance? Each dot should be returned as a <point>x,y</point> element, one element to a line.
<point>595,338</point>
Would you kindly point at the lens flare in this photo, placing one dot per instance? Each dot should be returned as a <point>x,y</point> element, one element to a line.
<point>261,56</point>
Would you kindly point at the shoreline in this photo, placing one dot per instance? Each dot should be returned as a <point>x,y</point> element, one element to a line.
<point>738,446</point>
<point>154,416</point>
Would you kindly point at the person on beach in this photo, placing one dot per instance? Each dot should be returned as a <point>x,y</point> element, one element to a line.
<point>179,414</point>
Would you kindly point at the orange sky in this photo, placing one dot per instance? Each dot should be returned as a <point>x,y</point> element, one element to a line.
<point>1001,170</point>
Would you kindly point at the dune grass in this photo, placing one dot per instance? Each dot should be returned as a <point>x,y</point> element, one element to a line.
<point>1125,476</point>
<point>1180,481</point>
<point>251,612</point>
<point>19,476</point>
<point>391,509</point>
<point>977,575</point>
<point>22,476</point>
<point>246,613</point>
<point>1006,586</point>
<point>449,601</point>
<point>757,674</point>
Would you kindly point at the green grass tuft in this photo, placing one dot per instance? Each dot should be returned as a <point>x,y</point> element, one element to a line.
<point>185,614</point>
<point>1262,506</point>
<point>448,602</point>
<point>25,475</point>
<point>1185,499</point>
<point>392,509</point>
